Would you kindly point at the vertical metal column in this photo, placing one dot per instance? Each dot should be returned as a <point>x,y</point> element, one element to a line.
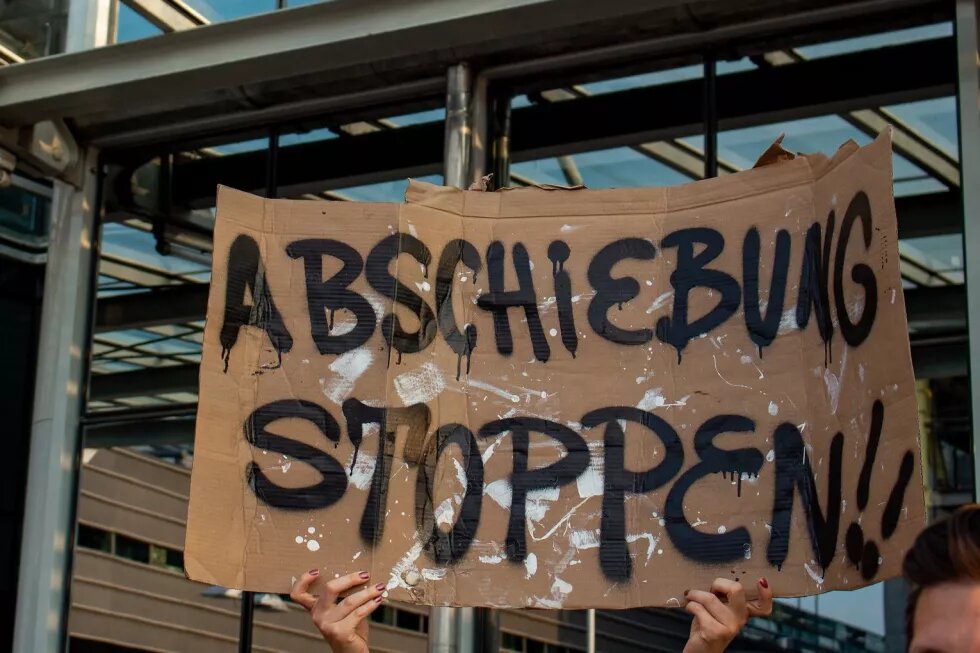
<point>480,146</point>
<point>501,140</point>
<point>89,24</point>
<point>48,535</point>
<point>590,631</point>
<point>710,116</point>
<point>456,151</point>
<point>246,617</point>
<point>969,125</point>
<point>445,635</point>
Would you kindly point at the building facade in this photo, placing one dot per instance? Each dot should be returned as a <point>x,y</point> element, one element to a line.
<point>119,118</point>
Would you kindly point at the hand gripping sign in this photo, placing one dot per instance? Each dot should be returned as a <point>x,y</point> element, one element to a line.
<point>562,397</point>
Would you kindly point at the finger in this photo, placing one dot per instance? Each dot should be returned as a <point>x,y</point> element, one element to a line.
<point>358,599</point>
<point>718,610</point>
<point>762,606</point>
<point>734,592</point>
<point>706,623</point>
<point>357,617</point>
<point>300,591</point>
<point>338,586</point>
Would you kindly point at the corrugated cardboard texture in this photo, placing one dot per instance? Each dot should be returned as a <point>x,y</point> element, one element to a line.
<point>589,399</point>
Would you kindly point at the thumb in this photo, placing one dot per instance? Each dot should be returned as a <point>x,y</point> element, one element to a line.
<point>762,606</point>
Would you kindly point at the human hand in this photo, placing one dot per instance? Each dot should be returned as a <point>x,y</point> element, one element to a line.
<point>720,614</point>
<point>342,623</point>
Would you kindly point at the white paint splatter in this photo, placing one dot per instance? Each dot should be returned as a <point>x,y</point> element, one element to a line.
<point>651,542</point>
<point>787,321</point>
<point>424,286</point>
<point>771,456</point>
<point>721,530</point>
<point>531,564</point>
<point>584,539</point>
<point>357,555</point>
<point>434,574</point>
<point>311,530</point>
<point>539,502</point>
<point>500,492</point>
<point>861,371</point>
<point>407,562</point>
<point>493,446</point>
<point>313,545</point>
<point>347,369</point>
<point>833,389</point>
<point>590,482</point>
<point>773,408</point>
<point>727,382</point>
<point>494,559</point>
<point>445,513</point>
<point>660,301</point>
<point>652,398</point>
<point>553,332</point>
<point>299,539</point>
<point>377,303</point>
<point>363,471</point>
<point>421,385</point>
<point>817,578</point>
<point>567,228</point>
<point>493,389</point>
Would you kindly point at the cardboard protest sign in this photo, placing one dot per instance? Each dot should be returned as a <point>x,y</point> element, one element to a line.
<point>562,398</point>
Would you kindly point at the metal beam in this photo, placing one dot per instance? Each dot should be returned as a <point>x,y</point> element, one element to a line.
<point>168,15</point>
<point>938,358</point>
<point>168,305</point>
<point>324,39</point>
<point>812,88</point>
<point>150,381</point>
<point>171,430</point>
<point>936,309</point>
<point>335,48</point>
<point>931,214</point>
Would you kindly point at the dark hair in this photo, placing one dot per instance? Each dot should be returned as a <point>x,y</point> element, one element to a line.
<point>945,552</point>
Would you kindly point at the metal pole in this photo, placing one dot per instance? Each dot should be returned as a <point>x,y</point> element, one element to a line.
<point>590,631</point>
<point>501,140</point>
<point>445,635</point>
<point>456,153</point>
<point>969,124</point>
<point>710,117</point>
<point>246,619</point>
<point>66,320</point>
<point>90,25</point>
<point>480,148</point>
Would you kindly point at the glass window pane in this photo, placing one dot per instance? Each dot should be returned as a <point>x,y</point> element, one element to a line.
<point>92,537</point>
<point>131,26</point>
<point>127,547</point>
<point>33,28</point>
<point>216,11</point>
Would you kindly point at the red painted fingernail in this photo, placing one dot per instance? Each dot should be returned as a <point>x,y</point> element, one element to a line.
<point>764,583</point>
<point>379,598</point>
<point>686,591</point>
<point>364,574</point>
<point>314,572</point>
<point>379,586</point>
